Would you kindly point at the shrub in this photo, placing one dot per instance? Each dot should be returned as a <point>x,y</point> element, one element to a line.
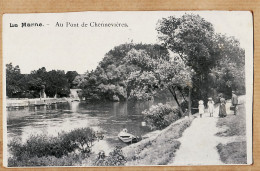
<point>160,116</point>
<point>115,158</point>
<point>81,139</point>
<point>40,146</point>
<point>70,160</point>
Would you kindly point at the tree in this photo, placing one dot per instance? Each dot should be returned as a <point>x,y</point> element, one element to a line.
<point>57,84</point>
<point>211,56</point>
<point>192,39</point>
<point>70,75</point>
<point>229,72</point>
<point>156,74</point>
<point>109,80</point>
<point>13,75</point>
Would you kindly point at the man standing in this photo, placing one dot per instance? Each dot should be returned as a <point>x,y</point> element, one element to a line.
<point>234,102</point>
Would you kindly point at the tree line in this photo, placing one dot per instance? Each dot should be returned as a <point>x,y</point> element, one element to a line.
<point>54,82</point>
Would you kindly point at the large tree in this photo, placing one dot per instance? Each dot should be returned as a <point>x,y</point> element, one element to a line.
<point>109,80</point>
<point>158,74</point>
<point>217,60</point>
<point>71,75</point>
<point>57,83</point>
<point>194,41</point>
<point>229,71</point>
<point>13,75</point>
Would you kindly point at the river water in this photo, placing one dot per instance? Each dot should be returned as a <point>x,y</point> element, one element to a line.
<point>109,118</point>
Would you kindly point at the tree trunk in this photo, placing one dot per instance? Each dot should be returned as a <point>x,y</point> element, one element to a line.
<point>182,94</point>
<point>175,98</point>
<point>189,101</point>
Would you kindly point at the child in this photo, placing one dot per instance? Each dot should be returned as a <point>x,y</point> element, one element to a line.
<point>201,107</point>
<point>210,107</point>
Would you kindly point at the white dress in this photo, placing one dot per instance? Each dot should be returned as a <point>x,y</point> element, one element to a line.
<point>201,109</point>
<point>211,107</point>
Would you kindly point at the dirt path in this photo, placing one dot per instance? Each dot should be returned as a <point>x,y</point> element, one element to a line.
<point>198,143</point>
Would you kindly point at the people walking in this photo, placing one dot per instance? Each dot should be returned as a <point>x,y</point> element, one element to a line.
<point>210,107</point>
<point>222,108</point>
<point>201,108</point>
<point>234,101</point>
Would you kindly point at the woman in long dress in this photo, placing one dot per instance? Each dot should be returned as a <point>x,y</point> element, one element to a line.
<point>222,108</point>
<point>210,107</point>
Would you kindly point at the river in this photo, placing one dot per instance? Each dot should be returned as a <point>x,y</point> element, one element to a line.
<point>109,118</point>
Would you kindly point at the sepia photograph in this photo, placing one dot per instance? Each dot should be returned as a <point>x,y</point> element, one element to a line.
<point>139,88</point>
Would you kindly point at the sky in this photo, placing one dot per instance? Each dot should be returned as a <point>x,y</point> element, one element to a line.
<point>82,48</point>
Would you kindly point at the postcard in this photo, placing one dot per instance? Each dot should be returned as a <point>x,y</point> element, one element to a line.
<point>125,88</point>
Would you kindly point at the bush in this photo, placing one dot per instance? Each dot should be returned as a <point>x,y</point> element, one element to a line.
<point>38,146</point>
<point>160,116</point>
<point>70,160</point>
<point>115,158</point>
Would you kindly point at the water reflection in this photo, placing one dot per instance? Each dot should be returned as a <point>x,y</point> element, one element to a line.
<point>74,106</point>
<point>109,118</point>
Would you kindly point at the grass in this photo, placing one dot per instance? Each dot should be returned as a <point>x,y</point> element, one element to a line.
<point>233,126</point>
<point>233,153</point>
<point>160,149</point>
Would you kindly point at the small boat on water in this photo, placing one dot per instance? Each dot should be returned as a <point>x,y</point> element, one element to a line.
<point>127,137</point>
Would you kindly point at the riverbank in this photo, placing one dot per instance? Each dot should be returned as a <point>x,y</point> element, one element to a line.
<point>16,103</point>
<point>233,147</point>
<point>160,146</point>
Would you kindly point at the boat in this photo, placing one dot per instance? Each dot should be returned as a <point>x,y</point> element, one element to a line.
<point>127,137</point>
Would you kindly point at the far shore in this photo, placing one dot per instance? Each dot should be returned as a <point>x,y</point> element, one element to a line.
<point>24,102</point>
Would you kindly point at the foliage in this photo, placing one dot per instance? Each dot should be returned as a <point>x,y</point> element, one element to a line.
<point>212,57</point>
<point>54,82</point>
<point>70,160</point>
<point>229,72</point>
<point>157,74</point>
<point>71,75</point>
<point>160,116</point>
<point>191,37</point>
<point>115,158</point>
<point>12,76</point>
<point>42,146</point>
<point>109,80</point>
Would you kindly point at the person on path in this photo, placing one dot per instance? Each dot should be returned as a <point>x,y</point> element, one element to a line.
<point>222,108</point>
<point>201,108</point>
<point>210,107</point>
<point>234,101</point>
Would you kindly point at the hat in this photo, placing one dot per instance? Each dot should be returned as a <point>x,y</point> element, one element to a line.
<point>210,98</point>
<point>233,91</point>
<point>222,100</point>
